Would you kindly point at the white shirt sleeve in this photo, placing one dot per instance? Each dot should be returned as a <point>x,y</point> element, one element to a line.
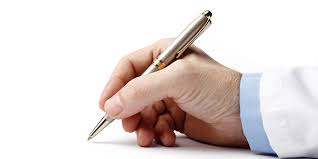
<point>289,108</point>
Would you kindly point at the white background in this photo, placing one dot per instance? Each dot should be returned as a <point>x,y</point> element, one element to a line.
<point>56,56</point>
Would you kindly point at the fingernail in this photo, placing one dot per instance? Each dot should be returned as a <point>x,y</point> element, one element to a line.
<point>113,106</point>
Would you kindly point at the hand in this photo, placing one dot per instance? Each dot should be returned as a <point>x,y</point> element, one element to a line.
<point>194,95</point>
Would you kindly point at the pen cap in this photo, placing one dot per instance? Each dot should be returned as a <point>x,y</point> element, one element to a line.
<point>186,38</point>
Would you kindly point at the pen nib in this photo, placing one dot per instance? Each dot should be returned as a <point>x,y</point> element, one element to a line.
<point>89,138</point>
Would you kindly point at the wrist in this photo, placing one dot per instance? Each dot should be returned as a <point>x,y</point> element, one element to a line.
<point>228,128</point>
<point>234,128</point>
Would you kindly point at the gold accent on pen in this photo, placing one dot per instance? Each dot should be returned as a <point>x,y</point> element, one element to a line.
<point>159,64</point>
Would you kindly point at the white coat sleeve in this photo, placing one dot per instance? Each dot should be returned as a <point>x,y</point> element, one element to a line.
<point>289,110</point>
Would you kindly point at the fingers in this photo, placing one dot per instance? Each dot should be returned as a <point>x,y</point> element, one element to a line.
<point>164,130</point>
<point>143,123</point>
<point>149,115</point>
<point>128,68</point>
<point>145,135</point>
<point>145,131</point>
<point>130,124</point>
<point>142,91</point>
<point>176,113</point>
<point>131,66</point>
<point>150,125</point>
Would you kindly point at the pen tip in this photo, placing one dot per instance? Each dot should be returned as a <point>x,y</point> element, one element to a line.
<point>89,138</point>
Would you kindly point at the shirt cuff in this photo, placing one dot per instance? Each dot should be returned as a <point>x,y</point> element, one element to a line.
<point>250,113</point>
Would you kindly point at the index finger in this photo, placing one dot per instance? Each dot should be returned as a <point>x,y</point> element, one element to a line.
<point>129,67</point>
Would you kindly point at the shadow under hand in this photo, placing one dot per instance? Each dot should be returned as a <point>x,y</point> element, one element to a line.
<point>183,144</point>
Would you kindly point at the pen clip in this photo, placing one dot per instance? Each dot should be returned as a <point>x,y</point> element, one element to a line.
<point>205,26</point>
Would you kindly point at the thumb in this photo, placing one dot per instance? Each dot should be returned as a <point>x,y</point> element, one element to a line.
<point>141,92</point>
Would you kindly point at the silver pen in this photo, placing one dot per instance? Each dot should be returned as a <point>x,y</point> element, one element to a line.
<point>173,52</point>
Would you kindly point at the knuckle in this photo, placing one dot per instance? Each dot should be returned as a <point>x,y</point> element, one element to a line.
<point>133,90</point>
<point>161,41</point>
<point>159,46</point>
<point>101,104</point>
<point>124,59</point>
<point>184,75</point>
<point>182,66</point>
<point>188,73</point>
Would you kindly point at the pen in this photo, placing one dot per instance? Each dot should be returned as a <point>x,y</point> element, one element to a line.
<point>173,52</point>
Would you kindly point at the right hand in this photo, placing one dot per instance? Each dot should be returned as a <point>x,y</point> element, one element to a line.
<point>194,95</point>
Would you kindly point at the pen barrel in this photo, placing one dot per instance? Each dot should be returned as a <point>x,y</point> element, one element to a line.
<point>150,69</point>
<point>180,44</point>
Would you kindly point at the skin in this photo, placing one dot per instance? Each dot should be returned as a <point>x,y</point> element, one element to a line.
<point>195,95</point>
